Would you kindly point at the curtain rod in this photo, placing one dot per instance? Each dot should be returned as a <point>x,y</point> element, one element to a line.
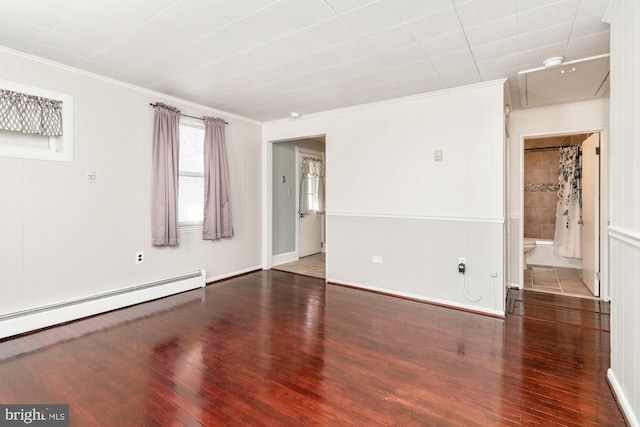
<point>555,147</point>
<point>186,115</point>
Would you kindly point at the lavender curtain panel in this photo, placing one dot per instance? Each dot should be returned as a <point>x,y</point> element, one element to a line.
<point>164,192</point>
<point>24,113</point>
<point>217,207</point>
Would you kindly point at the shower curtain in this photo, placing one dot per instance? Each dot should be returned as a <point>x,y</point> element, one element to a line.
<point>569,208</point>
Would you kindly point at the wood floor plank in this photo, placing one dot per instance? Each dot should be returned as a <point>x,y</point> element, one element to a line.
<point>276,349</point>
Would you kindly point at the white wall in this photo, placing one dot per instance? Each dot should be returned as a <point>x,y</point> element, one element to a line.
<point>624,232</point>
<point>387,197</point>
<point>575,117</point>
<point>62,238</point>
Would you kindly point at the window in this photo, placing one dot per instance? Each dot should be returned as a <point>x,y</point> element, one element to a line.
<point>313,186</point>
<point>34,146</point>
<point>191,175</point>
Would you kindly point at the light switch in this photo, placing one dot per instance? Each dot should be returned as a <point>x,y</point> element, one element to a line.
<point>437,155</point>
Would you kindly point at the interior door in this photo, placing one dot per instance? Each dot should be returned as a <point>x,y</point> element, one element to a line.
<point>590,213</point>
<point>310,224</point>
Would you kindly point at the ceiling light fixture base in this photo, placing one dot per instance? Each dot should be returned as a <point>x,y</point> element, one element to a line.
<point>554,61</point>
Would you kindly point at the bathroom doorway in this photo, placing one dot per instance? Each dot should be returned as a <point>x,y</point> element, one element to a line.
<point>563,242</point>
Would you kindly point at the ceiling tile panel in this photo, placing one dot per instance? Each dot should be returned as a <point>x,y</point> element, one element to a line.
<point>390,38</point>
<point>236,9</point>
<point>64,56</point>
<point>372,18</point>
<point>434,26</point>
<point>327,33</point>
<point>480,12</point>
<point>492,31</point>
<point>31,13</point>
<point>59,7</point>
<point>359,66</point>
<point>13,41</point>
<point>491,69</point>
<point>461,75</point>
<point>303,13</point>
<point>267,24</point>
<point>353,49</point>
<point>342,6</point>
<point>525,5</point>
<point>224,42</point>
<point>442,45</point>
<point>71,28</point>
<point>25,33</point>
<point>550,35</point>
<point>588,45</point>
<point>186,20</point>
<point>592,7</point>
<point>544,17</point>
<point>587,25</point>
<point>72,47</point>
<point>496,49</point>
<point>410,10</point>
<point>404,55</point>
<point>451,60</point>
<point>117,17</point>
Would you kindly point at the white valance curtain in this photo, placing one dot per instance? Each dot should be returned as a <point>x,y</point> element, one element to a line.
<point>311,191</point>
<point>164,193</point>
<point>568,236</point>
<point>24,113</point>
<point>217,204</point>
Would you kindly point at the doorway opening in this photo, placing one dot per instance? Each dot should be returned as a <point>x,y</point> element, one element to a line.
<point>298,218</point>
<point>561,215</point>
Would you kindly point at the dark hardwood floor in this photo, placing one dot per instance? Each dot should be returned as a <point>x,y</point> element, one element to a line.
<point>275,349</point>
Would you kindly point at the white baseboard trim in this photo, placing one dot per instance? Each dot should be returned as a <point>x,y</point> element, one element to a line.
<point>621,397</point>
<point>285,258</point>
<point>516,286</point>
<point>41,317</point>
<point>233,274</point>
<point>444,303</point>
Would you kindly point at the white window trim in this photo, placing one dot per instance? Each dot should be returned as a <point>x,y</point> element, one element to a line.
<point>61,147</point>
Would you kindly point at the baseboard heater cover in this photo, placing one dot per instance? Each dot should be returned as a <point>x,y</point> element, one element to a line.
<point>44,316</point>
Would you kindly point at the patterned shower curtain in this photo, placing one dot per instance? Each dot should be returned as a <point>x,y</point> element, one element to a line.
<point>569,208</point>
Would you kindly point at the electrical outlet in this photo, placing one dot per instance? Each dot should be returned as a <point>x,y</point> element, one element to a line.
<point>376,259</point>
<point>139,257</point>
<point>462,264</point>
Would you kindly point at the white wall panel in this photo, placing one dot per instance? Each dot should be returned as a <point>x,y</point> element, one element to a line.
<point>624,232</point>
<point>62,238</point>
<point>419,258</point>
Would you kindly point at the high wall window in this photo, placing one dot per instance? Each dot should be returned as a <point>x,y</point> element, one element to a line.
<point>191,175</point>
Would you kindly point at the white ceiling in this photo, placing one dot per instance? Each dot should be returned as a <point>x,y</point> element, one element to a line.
<point>264,58</point>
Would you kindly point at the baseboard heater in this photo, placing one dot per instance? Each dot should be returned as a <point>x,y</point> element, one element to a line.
<point>19,322</point>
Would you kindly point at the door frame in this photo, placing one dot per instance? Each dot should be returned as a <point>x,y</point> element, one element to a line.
<point>603,197</point>
<point>267,196</point>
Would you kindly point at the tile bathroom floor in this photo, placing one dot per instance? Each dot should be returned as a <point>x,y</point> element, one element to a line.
<point>556,280</point>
